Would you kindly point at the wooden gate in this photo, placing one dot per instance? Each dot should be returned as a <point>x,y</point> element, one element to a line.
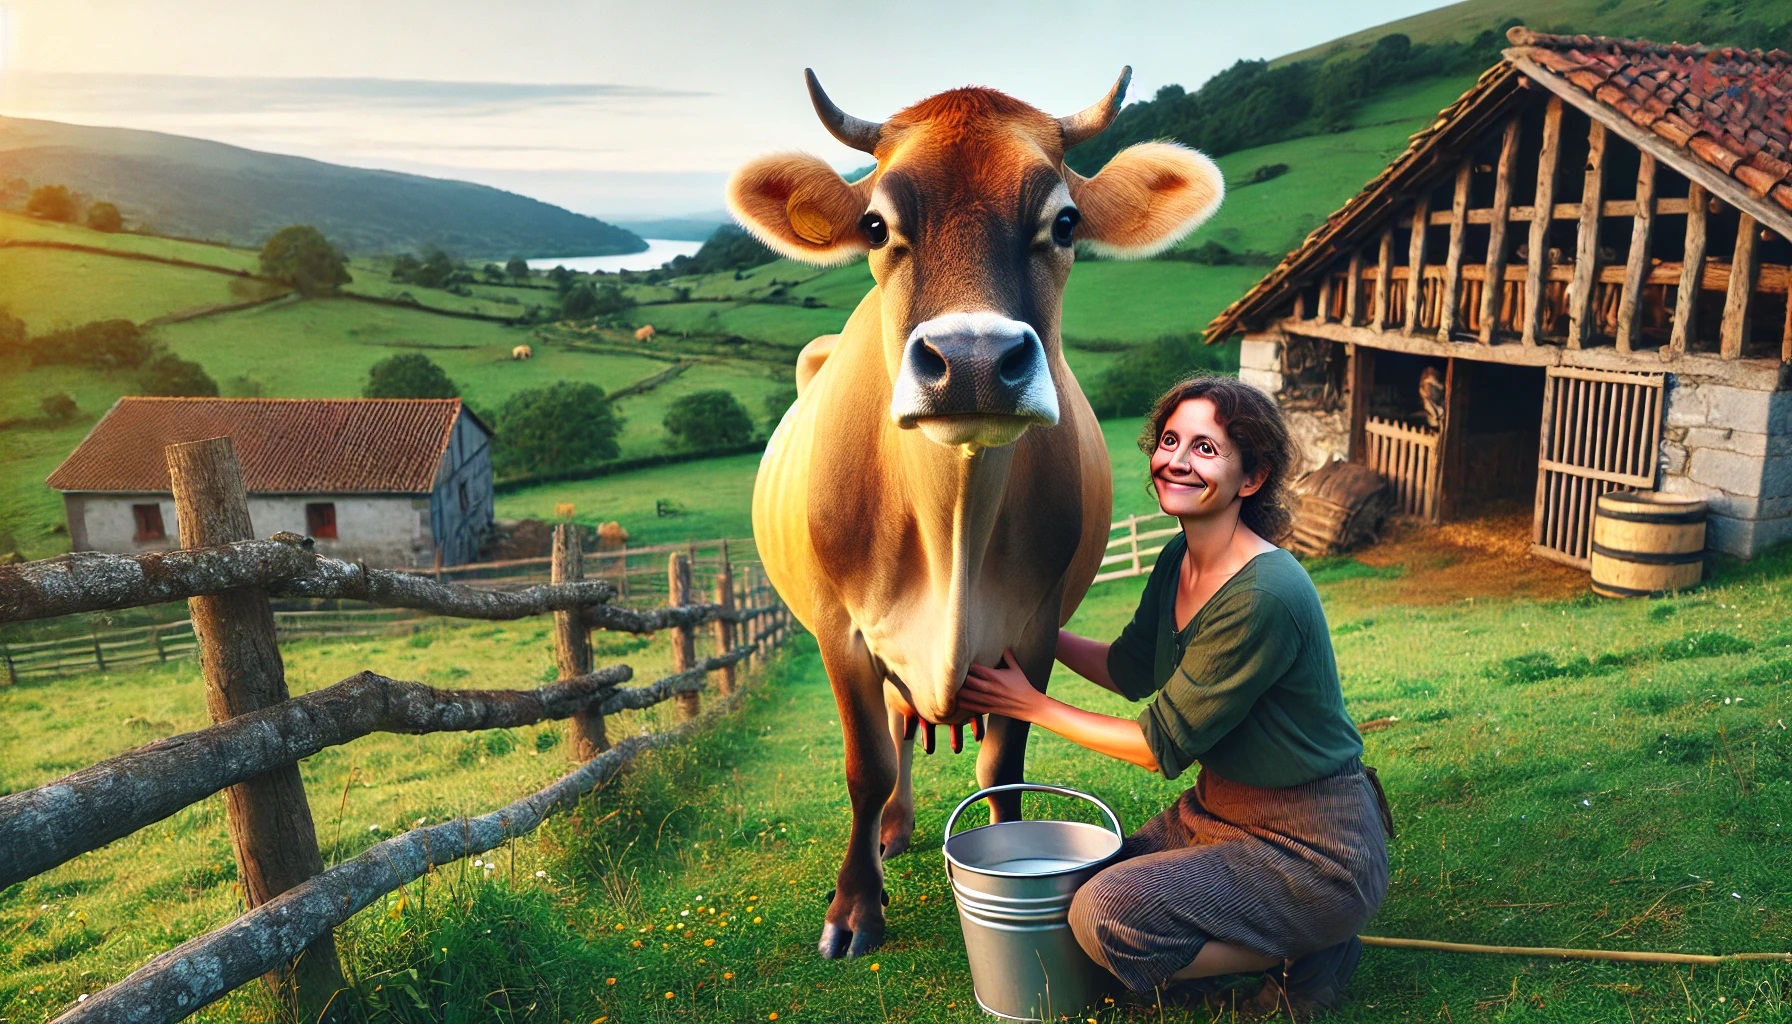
<point>1601,432</point>
<point>1407,456</point>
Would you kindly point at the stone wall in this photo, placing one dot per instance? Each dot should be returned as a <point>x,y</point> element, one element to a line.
<point>1323,435</point>
<point>381,530</point>
<point>1732,447</point>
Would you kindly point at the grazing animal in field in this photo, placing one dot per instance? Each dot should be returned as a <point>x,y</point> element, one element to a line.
<point>522,352</point>
<point>940,491</point>
<point>645,332</point>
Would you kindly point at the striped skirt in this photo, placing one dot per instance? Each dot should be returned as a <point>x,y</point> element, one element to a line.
<point>1282,872</point>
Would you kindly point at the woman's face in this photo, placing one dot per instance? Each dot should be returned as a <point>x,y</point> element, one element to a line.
<point>1196,470</point>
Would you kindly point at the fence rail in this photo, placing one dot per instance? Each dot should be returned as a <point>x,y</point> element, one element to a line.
<point>259,733</point>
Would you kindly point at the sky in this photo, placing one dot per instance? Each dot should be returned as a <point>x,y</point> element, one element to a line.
<point>620,110</point>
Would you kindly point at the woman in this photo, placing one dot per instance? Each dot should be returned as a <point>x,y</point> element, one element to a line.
<point>1278,853</point>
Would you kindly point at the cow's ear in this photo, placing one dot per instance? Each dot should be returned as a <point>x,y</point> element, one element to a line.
<point>799,207</point>
<point>1145,200</point>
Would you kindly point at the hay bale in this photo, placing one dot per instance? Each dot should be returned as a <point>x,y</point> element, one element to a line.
<point>1338,507</point>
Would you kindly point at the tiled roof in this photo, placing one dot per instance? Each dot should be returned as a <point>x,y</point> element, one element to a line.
<point>1731,109</point>
<point>284,445</point>
<point>1723,109</point>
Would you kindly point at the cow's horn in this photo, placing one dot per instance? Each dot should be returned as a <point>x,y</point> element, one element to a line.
<point>861,135</point>
<point>1093,121</point>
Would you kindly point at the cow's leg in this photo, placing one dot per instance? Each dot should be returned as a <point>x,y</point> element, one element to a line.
<point>898,822</point>
<point>855,918</point>
<point>1002,758</point>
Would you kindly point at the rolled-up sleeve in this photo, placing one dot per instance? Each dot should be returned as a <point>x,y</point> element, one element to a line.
<point>1240,651</point>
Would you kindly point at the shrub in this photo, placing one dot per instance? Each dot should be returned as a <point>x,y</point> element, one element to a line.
<point>412,375</point>
<point>59,408</point>
<point>51,202</point>
<point>707,419</point>
<point>104,217</point>
<point>301,256</point>
<point>171,376</point>
<point>565,426</point>
<point>115,344</point>
<point>1133,382</point>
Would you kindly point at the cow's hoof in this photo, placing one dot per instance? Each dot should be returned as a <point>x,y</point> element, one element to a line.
<point>894,846</point>
<point>838,941</point>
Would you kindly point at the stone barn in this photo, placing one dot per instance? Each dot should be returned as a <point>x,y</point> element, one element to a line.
<point>390,481</point>
<point>1574,281</point>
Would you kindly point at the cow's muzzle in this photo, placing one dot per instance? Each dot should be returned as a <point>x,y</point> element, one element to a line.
<point>974,378</point>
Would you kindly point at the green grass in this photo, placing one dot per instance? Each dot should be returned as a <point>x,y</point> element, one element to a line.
<point>1629,808</point>
<point>48,288</point>
<point>18,227</point>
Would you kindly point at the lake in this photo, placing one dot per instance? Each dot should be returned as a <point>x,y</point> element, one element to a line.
<point>658,251</point>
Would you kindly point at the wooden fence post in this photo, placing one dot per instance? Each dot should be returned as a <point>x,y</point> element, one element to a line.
<point>724,626</point>
<point>572,645</point>
<point>155,641</point>
<point>99,656</point>
<point>684,654</point>
<point>268,817</point>
<point>12,672</point>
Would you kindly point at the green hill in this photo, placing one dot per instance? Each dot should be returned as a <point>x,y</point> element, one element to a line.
<point>172,185</point>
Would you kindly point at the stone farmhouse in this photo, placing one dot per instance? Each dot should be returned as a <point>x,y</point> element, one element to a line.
<point>1575,280</point>
<point>389,481</point>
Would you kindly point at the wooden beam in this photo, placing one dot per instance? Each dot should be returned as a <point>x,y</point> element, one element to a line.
<point>1537,265</point>
<point>1586,250</point>
<point>1384,274</point>
<point>1359,383</point>
<point>1692,273</point>
<point>1353,289</point>
<point>1325,296</point>
<point>1492,292</point>
<point>1452,446</point>
<point>1448,316</point>
<point>1558,211</point>
<point>1636,268</point>
<point>1415,262</point>
<point>1742,286</point>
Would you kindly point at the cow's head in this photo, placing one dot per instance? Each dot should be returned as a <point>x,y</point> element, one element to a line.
<point>971,218</point>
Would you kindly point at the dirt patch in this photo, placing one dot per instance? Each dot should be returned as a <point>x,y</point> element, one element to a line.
<point>518,538</point>
<point>1487,556</point>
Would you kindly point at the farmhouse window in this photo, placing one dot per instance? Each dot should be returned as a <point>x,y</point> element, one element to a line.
<point>320,519</point>
<point>149,522</point>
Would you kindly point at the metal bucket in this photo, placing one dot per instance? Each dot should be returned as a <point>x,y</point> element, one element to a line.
<point>1013,882</point>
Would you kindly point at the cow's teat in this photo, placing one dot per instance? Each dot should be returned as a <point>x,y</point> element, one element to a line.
<point>974,378</point>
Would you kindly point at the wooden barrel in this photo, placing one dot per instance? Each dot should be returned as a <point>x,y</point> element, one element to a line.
<point>1646,543</point>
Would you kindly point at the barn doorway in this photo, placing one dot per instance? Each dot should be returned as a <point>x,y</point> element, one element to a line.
<point>1600,432</point>
<point>1501,429</point>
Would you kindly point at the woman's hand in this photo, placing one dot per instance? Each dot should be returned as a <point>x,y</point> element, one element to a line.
<point>1000,690</point>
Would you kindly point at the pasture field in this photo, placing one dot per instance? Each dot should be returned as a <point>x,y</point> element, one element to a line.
<point>1575,772</point>
<point>34,285</point>
<point>17,227</point>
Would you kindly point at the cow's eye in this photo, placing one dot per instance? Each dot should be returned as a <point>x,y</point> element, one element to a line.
<point>1065,225</point>
<point>875,230</point>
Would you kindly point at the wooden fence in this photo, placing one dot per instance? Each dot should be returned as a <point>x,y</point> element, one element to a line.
<point>1133,552</point>
<point>259,734</point>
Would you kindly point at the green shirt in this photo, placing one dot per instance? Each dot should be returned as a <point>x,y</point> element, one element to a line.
<point>1249,688</point>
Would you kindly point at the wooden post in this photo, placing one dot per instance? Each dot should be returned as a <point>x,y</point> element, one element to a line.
<point>724,626</point>
<point>1737,302</point>
<point>99,656</point>
<point>1415,260</point>
<point>155,641</point>
<point>12,671</point>
<point>438,563</point>
<point>1449,314</point>
<point>1692,272</point>
<point>1452,447</point>
<point>1353,289</point>
<point>684,654</point>
<point>1786,328</point>
<point>1359,382</point>
<point>1325,296</point>
<point>1493,286</point>
<point>268,817</point>
<point>572,644</point>
<point>1132,533</point>
<point>1636,267</point>
<point>1536,279</point>
<point>1384,278</point>
<point>1586,248</point>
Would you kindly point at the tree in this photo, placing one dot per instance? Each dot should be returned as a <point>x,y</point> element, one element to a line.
<point>172,376</point>
<point>579,303</point>
<point>104,217</point>
<point>300,255</point>
<point>517,268</point>
<point>563,427</point>
<point>51,202</point>
<point>492,273</point>
<point>116,344</point>
<point>412,375</point>
<point>708,419</point>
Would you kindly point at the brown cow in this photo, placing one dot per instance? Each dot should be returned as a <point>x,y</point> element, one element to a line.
<point>940,490</point>
<point>645,332</point>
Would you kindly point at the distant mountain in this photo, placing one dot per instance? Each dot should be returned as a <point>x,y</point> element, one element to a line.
<point>696,227</point>
<point>174,185</point>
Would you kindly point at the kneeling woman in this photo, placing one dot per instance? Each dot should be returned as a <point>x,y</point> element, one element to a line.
<point>1277,854</point>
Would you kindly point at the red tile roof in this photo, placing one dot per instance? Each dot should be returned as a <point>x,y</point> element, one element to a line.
<point>285,445</point>
<point>1729,108</point>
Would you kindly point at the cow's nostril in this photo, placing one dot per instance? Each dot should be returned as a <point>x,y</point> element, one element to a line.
<point>929,364</point>
<point>1017,365</point>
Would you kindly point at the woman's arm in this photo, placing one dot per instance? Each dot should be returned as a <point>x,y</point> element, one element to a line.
<point>1005,691</point>
<point>1087,658</point>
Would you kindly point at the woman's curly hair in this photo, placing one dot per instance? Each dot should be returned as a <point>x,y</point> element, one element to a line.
<point>1254,424</point>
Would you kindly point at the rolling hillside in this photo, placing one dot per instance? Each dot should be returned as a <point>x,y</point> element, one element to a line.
<point>171,185</point>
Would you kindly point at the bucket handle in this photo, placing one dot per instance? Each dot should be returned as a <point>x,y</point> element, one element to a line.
<point>952,819</point>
